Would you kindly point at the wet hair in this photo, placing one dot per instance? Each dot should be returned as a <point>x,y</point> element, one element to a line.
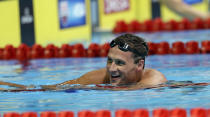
<point>137,43</point>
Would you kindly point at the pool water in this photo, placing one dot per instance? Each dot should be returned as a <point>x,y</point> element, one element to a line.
<point>195,68</point>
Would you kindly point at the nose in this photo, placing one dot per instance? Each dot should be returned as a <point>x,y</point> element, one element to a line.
<point>113,67</point>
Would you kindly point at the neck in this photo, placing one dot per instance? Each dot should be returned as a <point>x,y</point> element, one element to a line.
<point>140,76</point>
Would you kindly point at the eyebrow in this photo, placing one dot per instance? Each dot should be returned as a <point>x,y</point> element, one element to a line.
<point>116,59</point>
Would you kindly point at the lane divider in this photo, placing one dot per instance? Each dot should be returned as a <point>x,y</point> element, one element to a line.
<point>158,112</point>
<point>29,114</point>
<point>179,47</point>
<point>24,52</point>
<point>157,25</point>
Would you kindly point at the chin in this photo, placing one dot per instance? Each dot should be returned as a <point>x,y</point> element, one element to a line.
<point>116,83</point>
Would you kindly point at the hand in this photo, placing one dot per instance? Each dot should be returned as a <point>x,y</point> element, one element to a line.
<point>30,87</point>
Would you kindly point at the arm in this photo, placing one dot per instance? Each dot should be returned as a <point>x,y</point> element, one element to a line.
<point>185,10</point>
<point>92,77</point>
<point>13,85</point>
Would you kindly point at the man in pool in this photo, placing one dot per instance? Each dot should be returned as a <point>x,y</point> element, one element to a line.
<point>125,67</point>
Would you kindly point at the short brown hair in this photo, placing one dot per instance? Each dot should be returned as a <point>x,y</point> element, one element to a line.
<point>135,42</point>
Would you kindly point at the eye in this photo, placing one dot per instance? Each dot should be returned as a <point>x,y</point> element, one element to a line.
<point>119,62</point>
<point>109,60</point>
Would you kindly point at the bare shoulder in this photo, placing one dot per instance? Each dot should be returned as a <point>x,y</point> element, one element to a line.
<point>152,72</point>
<point>152,77</point>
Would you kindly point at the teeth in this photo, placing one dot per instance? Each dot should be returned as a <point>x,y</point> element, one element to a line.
<point>115,76</point>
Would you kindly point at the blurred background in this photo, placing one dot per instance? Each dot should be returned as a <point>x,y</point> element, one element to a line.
<point>77,21</point>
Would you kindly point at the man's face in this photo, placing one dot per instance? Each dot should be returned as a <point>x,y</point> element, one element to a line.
<point>121,67</point>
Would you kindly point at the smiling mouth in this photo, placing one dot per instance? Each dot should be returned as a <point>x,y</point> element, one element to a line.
<point>115,79</point>
<point>115,76</point>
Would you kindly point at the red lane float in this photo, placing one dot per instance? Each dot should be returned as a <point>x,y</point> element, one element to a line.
<point>160,112</point>
<point>65,51</point>
<point>66,114</point>
<point>37,51</point>
<point>9,52</point>
<point>158,25</point>
<point>178,112</point>
<point>205,46</point>
<point>78,50</point>
<point>103,113</point>
<point>93,50</point>
<point>178,48</point>
<point>173,24</point>
<point>149,25</point>
<point>207,23</point>
<point>29,114</point>
<point>48,114</point>
<point>51,51</point>
<point>1,53</point>
<point>24,52</point>
<point>85,113</point>
<point>186,23</point>
<point>134,26</point>
<point>152,48</point>
<point>163,48</point>
<point>199,23</point>
<point>121,26</point>
<point>192,47</point>
<point>198,112</point>
<point>168,26</point>
<point>123,113</point>
<point>142,112</point>
<point>104,49</point>
<point>12,114</point>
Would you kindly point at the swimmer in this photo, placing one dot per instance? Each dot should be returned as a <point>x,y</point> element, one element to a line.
<point>125,67</point>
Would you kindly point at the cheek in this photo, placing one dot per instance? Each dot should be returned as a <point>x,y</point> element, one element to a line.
<point>107,66</point>
<point>123,69</point>
<point>126,70</point>
<point>130,67</point>
<point>129,71</point>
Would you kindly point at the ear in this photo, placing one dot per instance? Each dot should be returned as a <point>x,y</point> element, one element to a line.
<point>140,65</point>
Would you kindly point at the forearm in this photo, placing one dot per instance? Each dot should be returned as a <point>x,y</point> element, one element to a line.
<point>13,85</point>
<point>185,10</point>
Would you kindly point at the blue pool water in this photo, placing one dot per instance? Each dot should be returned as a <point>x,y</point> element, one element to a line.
<point>194,68</point>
